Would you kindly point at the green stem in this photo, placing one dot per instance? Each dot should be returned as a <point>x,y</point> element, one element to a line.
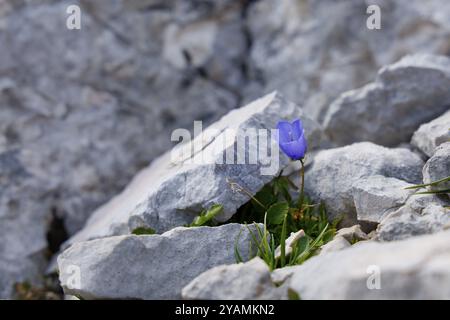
<point>434,183</point>
<point>248,193</point>
<point>302,187</point>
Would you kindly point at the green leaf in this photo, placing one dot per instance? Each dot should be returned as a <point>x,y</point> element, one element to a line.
<point>277,212</point>
<point>283,243</point>
<point>265,196</point>
<point>329,235</point>
<point>143,231</point>
<point>207,216</point>
<point>281,186</point>
<point>305,250</point>
<point>258,243</point>
<point>237,254</point>
<point>280,217</point>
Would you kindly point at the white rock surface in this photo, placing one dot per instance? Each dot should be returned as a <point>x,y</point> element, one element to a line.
<point>417,268</point>
<point>344,238</point>
<point>376,196</point>
<point>438,167</point>
<point>387,112</point>
<point>422,214</point>
<point>430,135</point>
<point>166,195</point>
<point>337,244</point>
<point>279,276</point>
<point>148,266</point>
<point>335,172</point>
<point>243,281</point>
<point>352,233</point>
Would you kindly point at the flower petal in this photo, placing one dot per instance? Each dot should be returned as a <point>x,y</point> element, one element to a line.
<point>304,141</point>
<point>284,129</point>
<point>295,149</point>
<point>297,129</point>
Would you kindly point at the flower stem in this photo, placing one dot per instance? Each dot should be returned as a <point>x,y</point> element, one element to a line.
<point>235,186</point>
<point>302,187</point>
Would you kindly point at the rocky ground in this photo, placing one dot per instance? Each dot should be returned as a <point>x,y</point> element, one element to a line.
<point>365,181</point>
<point>85,112</point>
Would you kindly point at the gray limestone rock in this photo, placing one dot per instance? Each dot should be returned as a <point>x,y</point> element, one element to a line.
<point>334,173</point>
<point>376,196</point>
<point>243,281</point>
<point>176,187</point>
<point>438,167</point>
<point>430,135</point>
<point>338,243</point>
<point>353,233</point>
<point>83,110</point>
<point>313,56</point>
<point>416,268</point>
<point>422,214</point>
<point>405,95</point>
<point>148,266</point>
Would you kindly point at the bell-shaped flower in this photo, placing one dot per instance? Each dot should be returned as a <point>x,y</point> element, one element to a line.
<point>291,138</point>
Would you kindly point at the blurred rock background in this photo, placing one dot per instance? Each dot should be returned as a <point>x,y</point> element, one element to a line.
<point>81,111</point>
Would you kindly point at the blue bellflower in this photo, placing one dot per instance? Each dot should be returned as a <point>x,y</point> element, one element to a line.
<point>292,139</point>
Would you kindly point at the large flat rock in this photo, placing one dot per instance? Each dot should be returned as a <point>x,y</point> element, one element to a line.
<point>170,193</point>
<point>149,266</point>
